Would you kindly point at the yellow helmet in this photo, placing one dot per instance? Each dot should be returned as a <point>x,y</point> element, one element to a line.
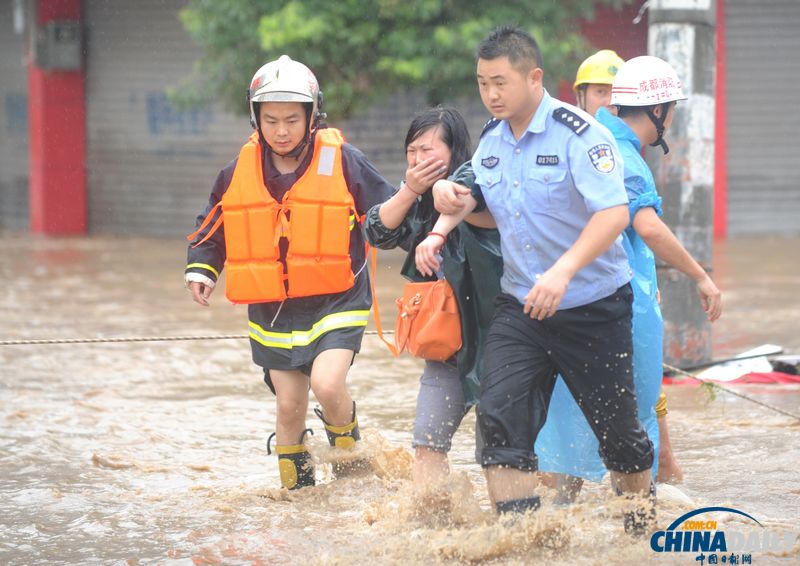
<point>600,68</point>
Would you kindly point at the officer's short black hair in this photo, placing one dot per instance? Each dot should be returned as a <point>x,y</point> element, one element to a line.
<point>517,44</point>
<point>454,132</point>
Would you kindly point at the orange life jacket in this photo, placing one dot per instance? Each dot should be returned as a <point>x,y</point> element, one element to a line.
<point>314,216</point>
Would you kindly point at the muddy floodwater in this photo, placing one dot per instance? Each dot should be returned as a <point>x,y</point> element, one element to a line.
<point>154,452</point>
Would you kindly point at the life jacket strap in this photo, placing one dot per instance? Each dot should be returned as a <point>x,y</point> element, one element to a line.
<point>205,223</point>
<point>282,227</point>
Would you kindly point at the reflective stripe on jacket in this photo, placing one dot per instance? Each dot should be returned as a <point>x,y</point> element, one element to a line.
<point>301,338</point>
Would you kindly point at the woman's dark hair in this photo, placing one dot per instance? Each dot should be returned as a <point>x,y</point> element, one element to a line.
<point>453,129</point>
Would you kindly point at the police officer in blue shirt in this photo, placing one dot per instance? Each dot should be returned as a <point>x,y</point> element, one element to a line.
<point>552,179</point>
<point>645,93</point>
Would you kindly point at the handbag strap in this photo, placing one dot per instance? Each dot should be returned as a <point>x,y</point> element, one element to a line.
<point>374,268</point>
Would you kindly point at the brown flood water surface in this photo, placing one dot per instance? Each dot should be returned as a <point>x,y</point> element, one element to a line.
<point>154,452</point>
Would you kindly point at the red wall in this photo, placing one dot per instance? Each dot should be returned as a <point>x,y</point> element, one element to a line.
<point>612,30</point>
<point>57,137</point>
<point>720,132</point>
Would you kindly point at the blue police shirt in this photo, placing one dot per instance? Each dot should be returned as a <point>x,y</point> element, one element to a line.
<point>566,443</point>
<point>639,182</point>
<point>542,190</point>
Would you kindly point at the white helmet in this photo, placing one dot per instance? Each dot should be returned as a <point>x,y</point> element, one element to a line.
<point>648,81</point>
<point>645,81</point>
<point>285,80</point>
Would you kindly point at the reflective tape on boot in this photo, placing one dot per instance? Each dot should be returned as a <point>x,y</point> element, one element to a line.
<point>343,436</point>
<point>295,466</point>
<point>288,472</point>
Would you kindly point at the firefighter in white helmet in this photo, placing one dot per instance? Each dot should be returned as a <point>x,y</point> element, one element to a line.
<point>288,232</point>
<point>285,80</point>
<point>593,80</point>
<point>651,86</point>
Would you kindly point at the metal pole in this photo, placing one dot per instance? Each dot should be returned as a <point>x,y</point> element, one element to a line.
<point>682,33</point>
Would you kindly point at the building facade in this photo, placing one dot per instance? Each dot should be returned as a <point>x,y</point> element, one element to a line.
<point>148,168</point>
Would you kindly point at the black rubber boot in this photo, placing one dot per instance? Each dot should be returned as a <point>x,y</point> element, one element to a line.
<point>294,463</point>
<point>341,436</point>
<point>518,505</point>
<point>640,521</point>
<point>345,438</point>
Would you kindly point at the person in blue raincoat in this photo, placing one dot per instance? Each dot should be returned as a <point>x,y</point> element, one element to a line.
<point>645,92</point>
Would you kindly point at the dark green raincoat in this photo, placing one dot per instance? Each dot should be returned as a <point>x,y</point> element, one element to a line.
<point>472,265</point>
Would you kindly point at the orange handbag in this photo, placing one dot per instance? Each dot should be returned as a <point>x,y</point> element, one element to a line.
<point>428,323</point>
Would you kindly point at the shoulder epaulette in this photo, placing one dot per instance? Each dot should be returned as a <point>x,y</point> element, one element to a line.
<point>570,120</point>
<point>488,126</point>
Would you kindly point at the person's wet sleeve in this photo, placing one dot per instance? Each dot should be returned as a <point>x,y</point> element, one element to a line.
<point>208,258</point>
<point>384,238</point>
<point>641,195</point>
<point>465,176</point>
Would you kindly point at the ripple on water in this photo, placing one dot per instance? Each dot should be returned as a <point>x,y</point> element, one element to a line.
<point>155,452</point>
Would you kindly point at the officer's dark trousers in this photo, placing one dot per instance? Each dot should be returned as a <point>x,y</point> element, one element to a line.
<point>591,347</point>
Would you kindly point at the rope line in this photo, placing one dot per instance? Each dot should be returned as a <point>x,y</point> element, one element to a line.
<point>138,339</point>
<point>367,332</point>
<point>732,392</point>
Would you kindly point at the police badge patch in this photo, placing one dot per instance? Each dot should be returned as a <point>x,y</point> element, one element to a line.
<point>490,162</point>
<point>602,158</point>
